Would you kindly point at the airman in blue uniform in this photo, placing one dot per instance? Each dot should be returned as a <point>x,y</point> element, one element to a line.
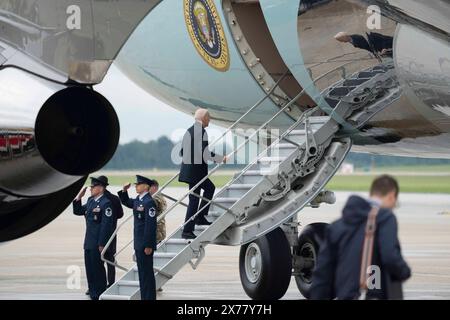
<point>99,215</point>
<point>144,211</point>
<point>111,252</point>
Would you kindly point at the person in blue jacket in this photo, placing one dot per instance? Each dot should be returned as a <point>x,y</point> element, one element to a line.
<point>144,211</point>
<point>337,272</point>
<point>99,215</point>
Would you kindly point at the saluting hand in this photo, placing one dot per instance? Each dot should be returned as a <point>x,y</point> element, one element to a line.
<point>126,187</point>
<point>148,251</point>
<point>81,194</point>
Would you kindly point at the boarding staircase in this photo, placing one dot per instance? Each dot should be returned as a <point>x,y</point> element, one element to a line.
<point>292,170</point>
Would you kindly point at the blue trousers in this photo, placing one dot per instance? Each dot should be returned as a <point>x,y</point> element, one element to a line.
<point>95,272</point>
<point>208,192</point>
<point>146,275</point>
<point>111,270</point>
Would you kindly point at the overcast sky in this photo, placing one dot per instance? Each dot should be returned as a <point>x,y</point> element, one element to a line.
<point>142,117</point>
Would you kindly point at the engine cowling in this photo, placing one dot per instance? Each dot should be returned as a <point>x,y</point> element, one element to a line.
<point>51,137</point>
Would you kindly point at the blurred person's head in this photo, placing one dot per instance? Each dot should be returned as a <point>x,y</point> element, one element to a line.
<point>385,189</point>
<point>154,187</point>
<point>343,37</point>
<point>202,115</point>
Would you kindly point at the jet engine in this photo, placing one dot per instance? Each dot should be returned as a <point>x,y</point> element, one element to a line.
<point>52,135</point>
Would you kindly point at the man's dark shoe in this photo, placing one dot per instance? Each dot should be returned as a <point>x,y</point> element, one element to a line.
<point>203,222</point>
<point>87,292</point>
<point>188,235</point>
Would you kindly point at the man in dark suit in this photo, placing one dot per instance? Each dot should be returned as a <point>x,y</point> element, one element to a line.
<point>376,43</point>
<point>194,167</point>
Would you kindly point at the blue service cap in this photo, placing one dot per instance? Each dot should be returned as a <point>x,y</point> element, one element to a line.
<point>144,180</point>
<point>100,181</point>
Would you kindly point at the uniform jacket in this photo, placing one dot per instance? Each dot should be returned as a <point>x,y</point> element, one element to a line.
<point>117,214</point>
<point>99,215</point>
<point>339,262</point>
<point>144,212</point>
<point>195,153</point>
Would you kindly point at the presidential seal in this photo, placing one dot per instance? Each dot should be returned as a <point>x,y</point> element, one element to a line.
<point>206,32</point>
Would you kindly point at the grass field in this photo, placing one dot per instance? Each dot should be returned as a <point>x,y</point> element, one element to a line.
<point>444,168</point>
<point>408,183</point>
<point>415,184</point>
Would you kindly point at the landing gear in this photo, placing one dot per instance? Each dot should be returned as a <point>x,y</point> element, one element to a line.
<point>305,256</point>
<point>265,266</point>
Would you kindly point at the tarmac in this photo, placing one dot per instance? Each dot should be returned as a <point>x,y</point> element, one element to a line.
<point>48,265</point>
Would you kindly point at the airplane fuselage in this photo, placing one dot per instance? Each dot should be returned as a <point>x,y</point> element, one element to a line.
<point>233,57</point>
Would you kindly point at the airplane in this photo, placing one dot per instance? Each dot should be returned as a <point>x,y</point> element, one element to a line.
<point>332,76</point>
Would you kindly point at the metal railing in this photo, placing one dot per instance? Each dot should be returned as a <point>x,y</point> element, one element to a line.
<point>210,201</point>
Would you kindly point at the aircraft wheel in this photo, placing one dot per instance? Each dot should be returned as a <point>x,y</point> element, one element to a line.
<point>305,256</point>
<point>265,266</point>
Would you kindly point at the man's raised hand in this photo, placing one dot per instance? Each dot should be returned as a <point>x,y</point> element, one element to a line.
<point>81,194</point>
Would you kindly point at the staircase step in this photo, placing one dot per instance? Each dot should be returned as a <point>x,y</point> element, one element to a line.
<point>271,159</point>
<point>128,283</point>
<point>379,67</point>
<point>178,241</point>
<point>160,259</point>
<point>240,186</point>
<point>297,133</point>
<point>174,245</point>
<point>200,228</point>
<point>285,146</point>
<point>282,149</point>
<point>332,102</point>
<point>114,297</point>
<point>226,200</point>
<point>369,74</point>
<point>237,190</point>
<point>164,255</point>
<point>354,82</point>
<point>214,214</point>
<point>223,202</point>
<point>318,120</point>
<point>253,176</point>
<point>340,91</point>
<point>253,173</point>
<point>268,163</point>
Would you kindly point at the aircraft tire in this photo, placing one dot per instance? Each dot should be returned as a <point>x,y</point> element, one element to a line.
<point>306,253</point>
<point>265,266</point>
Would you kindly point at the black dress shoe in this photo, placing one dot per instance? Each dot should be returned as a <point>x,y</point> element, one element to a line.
<point>188,235</point>
<point>203,222</point>
<point>87,292</point>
